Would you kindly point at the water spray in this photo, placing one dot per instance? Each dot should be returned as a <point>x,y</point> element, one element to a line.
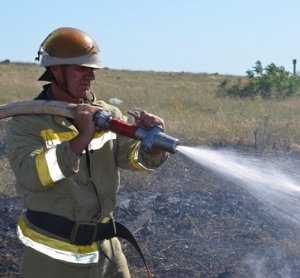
<point>274,183</point>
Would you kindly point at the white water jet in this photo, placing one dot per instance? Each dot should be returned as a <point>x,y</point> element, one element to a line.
<point>267,181</point>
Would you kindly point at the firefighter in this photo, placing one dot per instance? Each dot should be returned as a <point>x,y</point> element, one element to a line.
<point>67,171</point>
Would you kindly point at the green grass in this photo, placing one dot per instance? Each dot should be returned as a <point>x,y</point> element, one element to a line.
<point>188,103</point>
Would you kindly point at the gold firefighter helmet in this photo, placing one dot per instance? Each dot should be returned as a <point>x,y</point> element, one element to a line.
<point>68,46</point>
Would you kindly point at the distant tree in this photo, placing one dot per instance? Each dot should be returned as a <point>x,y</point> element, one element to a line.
<point>6,61</point>
<point>269,82</point>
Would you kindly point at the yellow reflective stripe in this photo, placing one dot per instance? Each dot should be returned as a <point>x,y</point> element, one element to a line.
<point>52,242</point>
<point>48,168</point>
<point>100,139</point>
<point>46,162</point>
<point>134,158</point>
<point>56,248</point>
<point>53,138</point>
<point>55,172</point>
<point>42,169</point>
<point>67,135</point>
<point>98,134</point>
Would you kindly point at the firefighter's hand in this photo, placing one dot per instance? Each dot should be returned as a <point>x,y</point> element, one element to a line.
<point>83,120</point>
<point>146,120</point>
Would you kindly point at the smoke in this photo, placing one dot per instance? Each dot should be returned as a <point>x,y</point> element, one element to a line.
<point>260,263</point>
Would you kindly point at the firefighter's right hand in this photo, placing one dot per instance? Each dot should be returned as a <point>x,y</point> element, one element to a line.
<point>83,120</point>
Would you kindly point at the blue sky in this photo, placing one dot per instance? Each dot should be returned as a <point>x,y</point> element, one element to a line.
<point>166,35</point>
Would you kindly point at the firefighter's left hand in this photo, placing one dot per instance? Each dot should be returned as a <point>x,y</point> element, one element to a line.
<point>147,120</point>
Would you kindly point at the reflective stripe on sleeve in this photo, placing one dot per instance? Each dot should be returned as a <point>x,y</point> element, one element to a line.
<point>134,158</point>
<point>54,170</point>
<point>57,249</point>
<point>48,168</point>
<point>100,139</point>
<point>52,138</point>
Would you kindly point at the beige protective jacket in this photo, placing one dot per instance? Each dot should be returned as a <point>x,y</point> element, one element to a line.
<point>53,179</point>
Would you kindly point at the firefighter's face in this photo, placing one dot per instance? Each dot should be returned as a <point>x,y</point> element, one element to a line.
<point>76,79</point>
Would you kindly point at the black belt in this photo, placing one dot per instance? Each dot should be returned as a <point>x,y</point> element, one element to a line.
<point>82,233</point>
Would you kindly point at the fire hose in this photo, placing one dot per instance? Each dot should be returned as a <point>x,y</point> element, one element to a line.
<point>150,138</point>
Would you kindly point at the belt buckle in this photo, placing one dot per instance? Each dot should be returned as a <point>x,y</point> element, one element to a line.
<point>84,233</point>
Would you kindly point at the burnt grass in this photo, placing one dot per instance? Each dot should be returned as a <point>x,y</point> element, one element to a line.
<point>189,223</point>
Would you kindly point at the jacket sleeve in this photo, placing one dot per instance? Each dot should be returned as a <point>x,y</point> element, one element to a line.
<point>38,166</point>
<point>130,155</point>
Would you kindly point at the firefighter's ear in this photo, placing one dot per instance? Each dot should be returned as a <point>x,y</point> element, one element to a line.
<point>55,72</point>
